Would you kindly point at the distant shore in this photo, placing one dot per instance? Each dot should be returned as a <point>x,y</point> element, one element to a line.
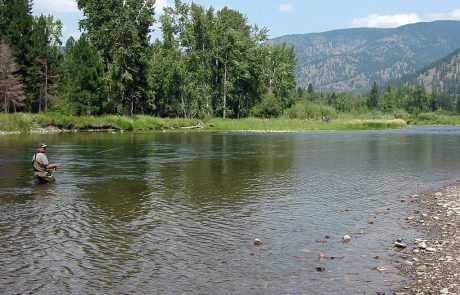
<point>432,261</point>
<point>55,123</point>
<point>52,123</point>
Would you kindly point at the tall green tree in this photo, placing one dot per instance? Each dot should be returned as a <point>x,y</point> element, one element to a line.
<point>457,108</point>
<point>45,41</point>
<point>120,30</point>
<point>281,66</point>
<point>81,77</point>
<point>374,95</point>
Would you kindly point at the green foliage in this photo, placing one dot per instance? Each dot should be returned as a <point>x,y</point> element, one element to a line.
<point>374,96</point>
<point>119,31</point>
<point>81,79</point>
<point>401,114</point>
<point>269,107</point>
<point>309,110</point>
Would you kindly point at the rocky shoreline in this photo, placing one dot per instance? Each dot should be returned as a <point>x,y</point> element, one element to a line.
<point>431,262</point>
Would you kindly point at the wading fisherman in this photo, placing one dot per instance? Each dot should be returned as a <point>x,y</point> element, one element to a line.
<point>43,169</point>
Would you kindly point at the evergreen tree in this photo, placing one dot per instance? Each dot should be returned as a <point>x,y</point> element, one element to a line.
<point>458,104</point>
<point>374,95</point>
<point>81,77</point>
<point>310,89</point>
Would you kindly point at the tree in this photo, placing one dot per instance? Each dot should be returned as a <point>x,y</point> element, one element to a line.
<point>119,31</point>
<point>310,89</point>
<point>81,77</point>
<point>281,67</point>
<point>458,104</point>
<point>386,100</point>
<point>11,94</point>
<point>16,28</point>
<point>374,95</point>
<point>45,39</point>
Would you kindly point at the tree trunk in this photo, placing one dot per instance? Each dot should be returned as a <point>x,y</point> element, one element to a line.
<point>46,86</point>
<point>224,103</point>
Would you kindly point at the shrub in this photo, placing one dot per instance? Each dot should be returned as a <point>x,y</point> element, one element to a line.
<point>309,110</point>
<point>269,107</point>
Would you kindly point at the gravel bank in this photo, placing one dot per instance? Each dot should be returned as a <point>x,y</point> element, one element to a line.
<point>431,262</point>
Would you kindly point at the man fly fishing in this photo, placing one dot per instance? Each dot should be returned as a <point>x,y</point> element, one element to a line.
<point>43,169</point>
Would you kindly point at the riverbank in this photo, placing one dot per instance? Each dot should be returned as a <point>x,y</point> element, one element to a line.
<point>51,122</point>
<point>431,262</point>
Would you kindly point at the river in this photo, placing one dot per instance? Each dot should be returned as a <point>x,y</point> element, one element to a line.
<point>177,212</point>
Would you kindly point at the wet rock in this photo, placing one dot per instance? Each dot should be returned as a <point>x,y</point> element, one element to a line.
<point>346,239</point>
<point>421,245</point>
<point>400,245</point>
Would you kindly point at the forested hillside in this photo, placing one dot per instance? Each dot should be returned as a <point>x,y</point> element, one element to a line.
<point>442,77</point>
<point>351,59</point>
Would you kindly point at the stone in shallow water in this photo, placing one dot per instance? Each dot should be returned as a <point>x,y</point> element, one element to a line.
<point>346,238</point>
<point>422,245</point>
<point>400,245</point>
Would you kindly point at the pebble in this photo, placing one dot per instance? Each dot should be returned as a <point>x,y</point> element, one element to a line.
<point>346,238</point>
<point>422,245</point>
<point>257,242</point>
<point>400,245</point>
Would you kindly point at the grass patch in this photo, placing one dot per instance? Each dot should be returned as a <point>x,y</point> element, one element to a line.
<point>302,125</point>
<point>25,122</point>
<point>436,118</point>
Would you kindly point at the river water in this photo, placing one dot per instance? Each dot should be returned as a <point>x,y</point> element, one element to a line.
<point>177,213</point>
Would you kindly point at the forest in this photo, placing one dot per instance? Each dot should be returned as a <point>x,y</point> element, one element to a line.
<point>208,63</point>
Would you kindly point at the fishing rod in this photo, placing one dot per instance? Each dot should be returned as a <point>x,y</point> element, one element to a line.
<point>75,158</point>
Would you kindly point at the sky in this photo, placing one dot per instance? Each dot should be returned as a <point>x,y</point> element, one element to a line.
<point>285,17</point>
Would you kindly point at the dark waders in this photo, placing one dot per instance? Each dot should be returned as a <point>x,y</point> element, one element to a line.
<point>41,174</point>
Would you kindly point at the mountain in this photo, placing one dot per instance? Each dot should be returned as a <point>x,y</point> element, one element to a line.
<point>351,59</point>
<point>442,76</point>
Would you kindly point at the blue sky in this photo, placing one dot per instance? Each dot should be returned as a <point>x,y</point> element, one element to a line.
<point>294,16</point>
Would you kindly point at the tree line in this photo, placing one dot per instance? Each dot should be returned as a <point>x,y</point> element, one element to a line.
<point>208,63</point>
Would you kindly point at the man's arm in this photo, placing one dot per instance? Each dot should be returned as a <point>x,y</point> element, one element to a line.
<point>51,166</point>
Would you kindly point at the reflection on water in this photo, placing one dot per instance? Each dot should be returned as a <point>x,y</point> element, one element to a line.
<point>177,212</point>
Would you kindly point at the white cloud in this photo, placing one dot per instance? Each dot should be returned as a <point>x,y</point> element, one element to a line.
<point>453,15</point>
<point>286,8</point>
<point>396,20</point>
<point>59,6</point>
<point>386,21</point>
